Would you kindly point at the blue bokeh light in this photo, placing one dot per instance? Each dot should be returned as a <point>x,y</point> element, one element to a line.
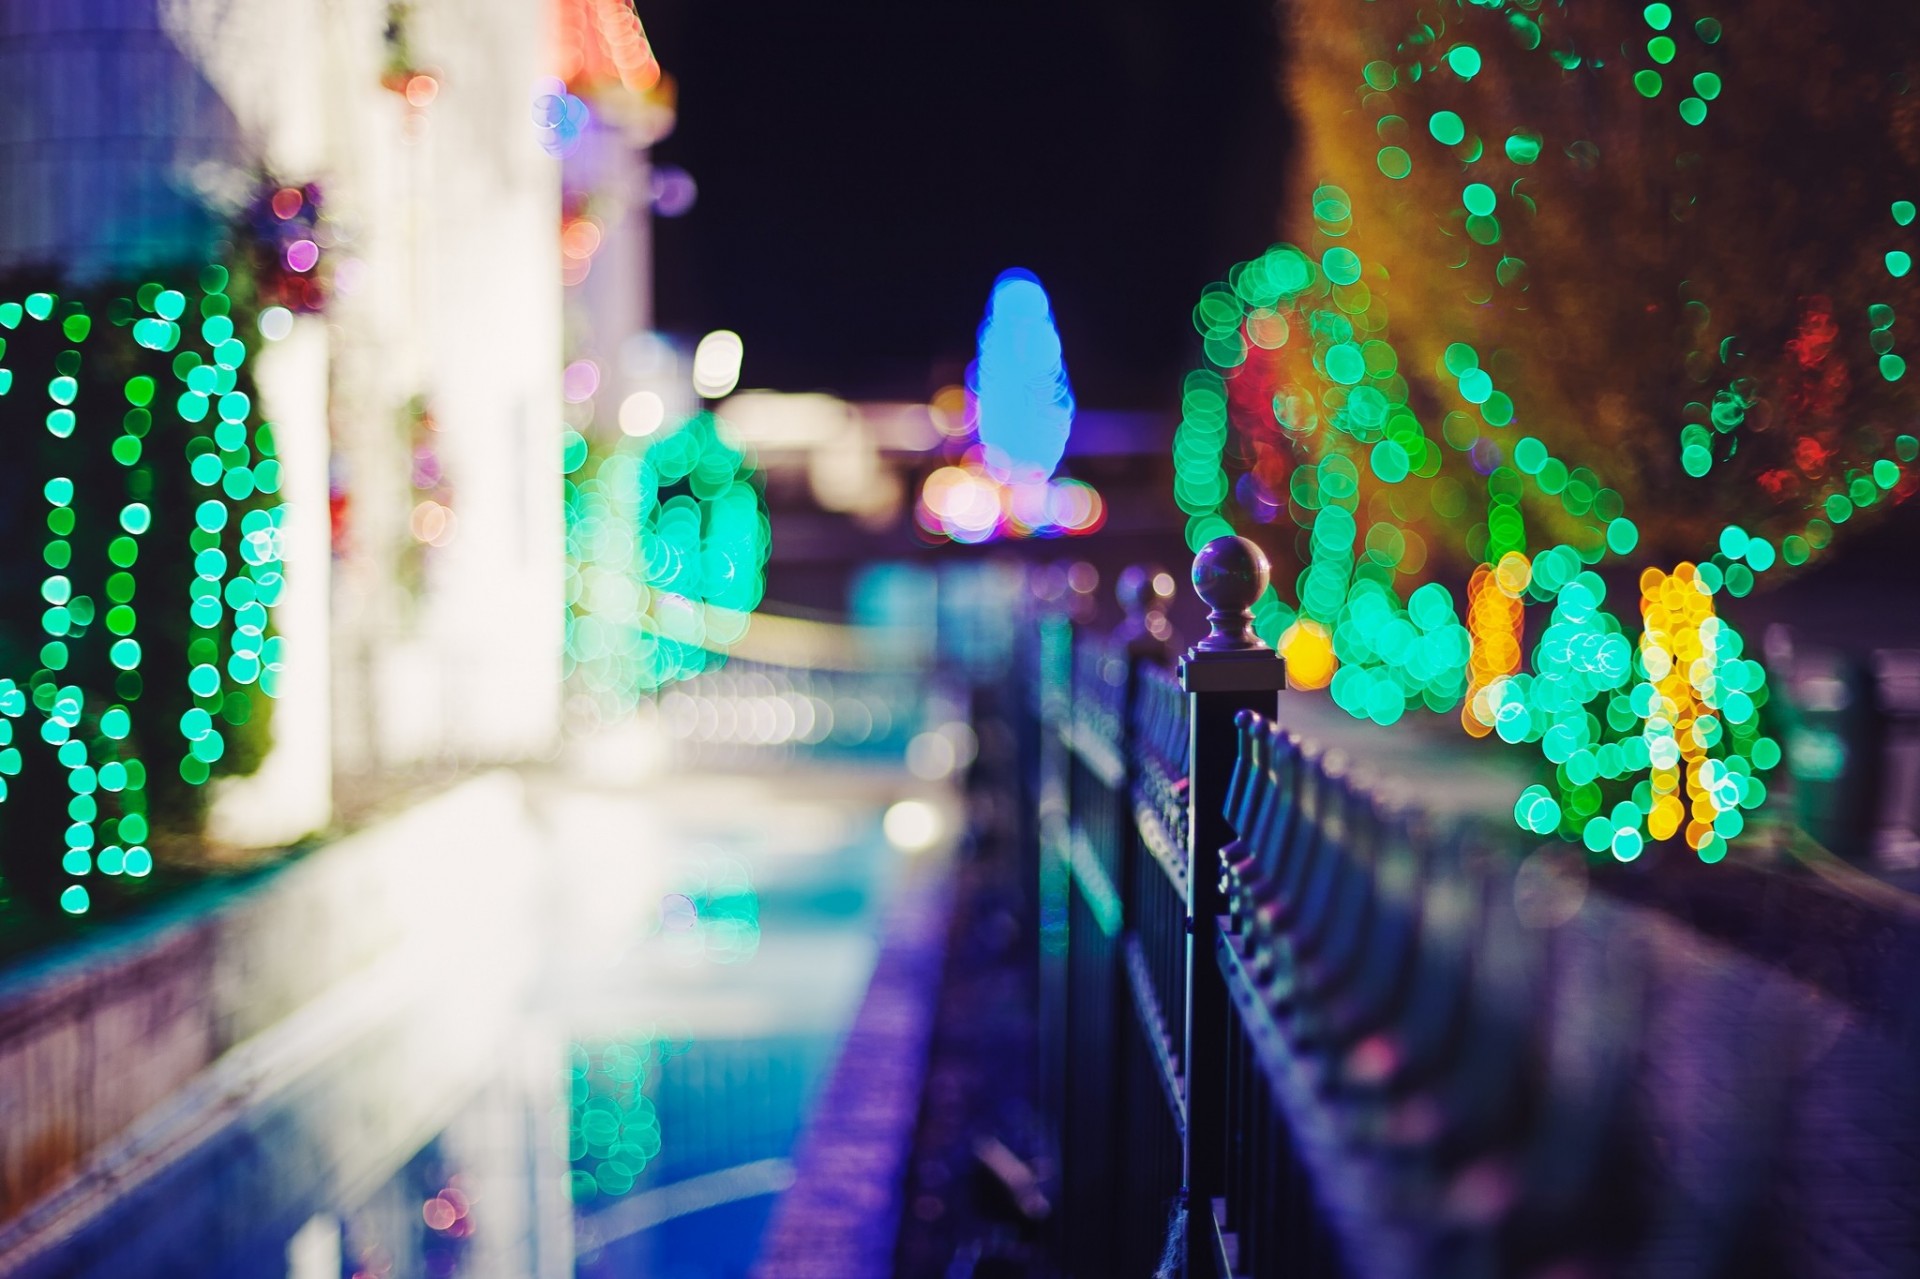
<point>1025,404</point>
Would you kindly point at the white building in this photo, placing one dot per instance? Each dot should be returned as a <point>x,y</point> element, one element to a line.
<point>419,413</point>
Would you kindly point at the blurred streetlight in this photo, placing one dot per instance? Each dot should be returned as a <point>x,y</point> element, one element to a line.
<point>716,364</point>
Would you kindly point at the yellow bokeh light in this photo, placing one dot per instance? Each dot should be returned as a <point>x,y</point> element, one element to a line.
<point>1308,650</point>
<point>1666,817</point>
<point>1494,622</point>
<point>1512,574</point>
<point>1675,648</point>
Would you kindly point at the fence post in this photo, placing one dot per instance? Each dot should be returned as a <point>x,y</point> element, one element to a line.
<point>1229,671</point>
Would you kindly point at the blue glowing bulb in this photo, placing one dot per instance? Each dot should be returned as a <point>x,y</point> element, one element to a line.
<point>1025,403</point>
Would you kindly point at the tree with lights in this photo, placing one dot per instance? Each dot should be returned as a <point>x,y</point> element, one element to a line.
<point>1578,294</point>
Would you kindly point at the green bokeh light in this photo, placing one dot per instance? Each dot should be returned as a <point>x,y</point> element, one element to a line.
<point>1464,59</point>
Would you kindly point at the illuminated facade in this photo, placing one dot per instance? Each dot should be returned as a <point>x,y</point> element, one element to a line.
<point>294,412</point>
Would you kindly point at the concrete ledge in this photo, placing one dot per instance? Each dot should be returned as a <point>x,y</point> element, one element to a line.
<point>139,1024</point>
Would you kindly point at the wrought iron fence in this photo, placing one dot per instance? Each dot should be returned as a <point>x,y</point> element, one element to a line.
<point>1296,1025</point>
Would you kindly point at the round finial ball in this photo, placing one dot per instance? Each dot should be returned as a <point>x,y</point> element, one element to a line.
<point>1229,573</point>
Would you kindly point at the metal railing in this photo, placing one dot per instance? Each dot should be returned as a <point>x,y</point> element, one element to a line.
<point>1294,1025</point>
<point>1107,745</point>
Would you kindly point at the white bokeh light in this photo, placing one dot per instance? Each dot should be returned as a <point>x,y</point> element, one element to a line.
<point>716,363</point>
<point>642,413</point>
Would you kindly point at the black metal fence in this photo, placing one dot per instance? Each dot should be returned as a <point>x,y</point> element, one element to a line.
<point>1295,1026</point>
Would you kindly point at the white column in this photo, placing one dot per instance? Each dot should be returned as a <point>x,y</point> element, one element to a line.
<point>291,793</point>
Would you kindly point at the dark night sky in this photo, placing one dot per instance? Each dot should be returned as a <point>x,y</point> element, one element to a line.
<point>867,167</point>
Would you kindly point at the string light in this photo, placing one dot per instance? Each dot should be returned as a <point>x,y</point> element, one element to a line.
<point>667,546</point>
<point>1494,620</point>
<point>103,733</point>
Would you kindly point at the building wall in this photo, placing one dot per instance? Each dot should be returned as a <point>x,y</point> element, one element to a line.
<point>107,129</point>
<point>448,296</point>
<point>128,125</point>
<point>119,1060</point>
